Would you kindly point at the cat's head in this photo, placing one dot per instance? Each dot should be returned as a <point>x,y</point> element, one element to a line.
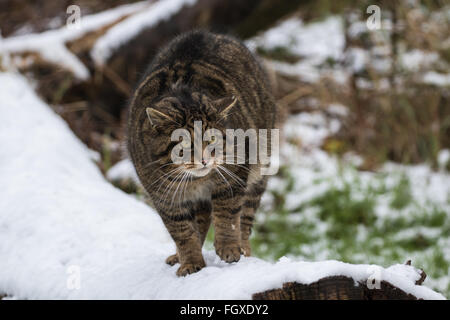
<point>184,109</point>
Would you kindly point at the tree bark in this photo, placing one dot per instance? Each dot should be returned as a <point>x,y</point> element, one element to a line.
<point>334,288</point>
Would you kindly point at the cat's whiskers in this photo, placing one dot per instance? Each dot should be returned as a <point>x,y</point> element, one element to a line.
<point>150,163</point>
<point>224,179</point>
<point>178,186</point>
<point>169,185</point>
<point>171,173</point>
<point>164,176</point>
<point>241,166</point>
<point>174,172</point>
<point>184,187</point>
<point>233,176</point>
<point>175,182</point>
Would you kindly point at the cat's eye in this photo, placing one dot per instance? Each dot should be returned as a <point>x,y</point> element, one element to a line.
<point>213,139</point>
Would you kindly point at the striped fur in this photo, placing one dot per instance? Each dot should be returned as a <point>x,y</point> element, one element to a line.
<point>195,78</point>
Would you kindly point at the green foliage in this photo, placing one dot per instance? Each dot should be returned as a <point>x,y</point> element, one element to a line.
<point>401,194</point>
<point>337,206</point>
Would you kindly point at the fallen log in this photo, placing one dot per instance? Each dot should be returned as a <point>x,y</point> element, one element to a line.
<point>342,288</point>
<point>334,288</point>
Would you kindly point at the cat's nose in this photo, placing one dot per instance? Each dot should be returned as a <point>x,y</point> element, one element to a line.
<point>204,162</point>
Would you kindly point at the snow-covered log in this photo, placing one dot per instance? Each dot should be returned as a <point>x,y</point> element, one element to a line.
<point>138,30</point>
<point>66,233</point>
<point>338,288</point>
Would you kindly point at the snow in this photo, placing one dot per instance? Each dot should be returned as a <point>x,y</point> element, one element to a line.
<point>311,128</point>
<point>357,59</point>
<point>314,43</point>
<point>122,170</point>
<point>444,158</point>
<point>51,44</point>
<point>438,79</point>
<point>417,59</point>
<point>60,219</point>
<point>130,27</point>
<point>322,41</point>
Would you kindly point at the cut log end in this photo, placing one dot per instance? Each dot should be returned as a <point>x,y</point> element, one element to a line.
<point>334,288</point>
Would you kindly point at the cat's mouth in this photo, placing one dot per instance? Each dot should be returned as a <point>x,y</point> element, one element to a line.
<point>199,170</point>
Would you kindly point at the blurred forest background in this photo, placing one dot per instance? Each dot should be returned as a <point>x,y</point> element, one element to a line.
<point>366,111</point>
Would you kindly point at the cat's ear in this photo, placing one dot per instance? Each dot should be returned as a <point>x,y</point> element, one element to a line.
<point>157,117</point>
<point>224,105</point>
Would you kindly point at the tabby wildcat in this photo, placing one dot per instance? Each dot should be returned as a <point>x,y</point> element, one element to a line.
<point>214,79</point>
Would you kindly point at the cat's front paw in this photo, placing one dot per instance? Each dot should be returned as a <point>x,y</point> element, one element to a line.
<point>229,253</point>
<point>188,268</point>
<point>172,260</point>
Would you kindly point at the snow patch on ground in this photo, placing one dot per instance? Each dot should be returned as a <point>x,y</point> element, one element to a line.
<point>416,59</point>
<point>314,43</point>
<point>437,79</point>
